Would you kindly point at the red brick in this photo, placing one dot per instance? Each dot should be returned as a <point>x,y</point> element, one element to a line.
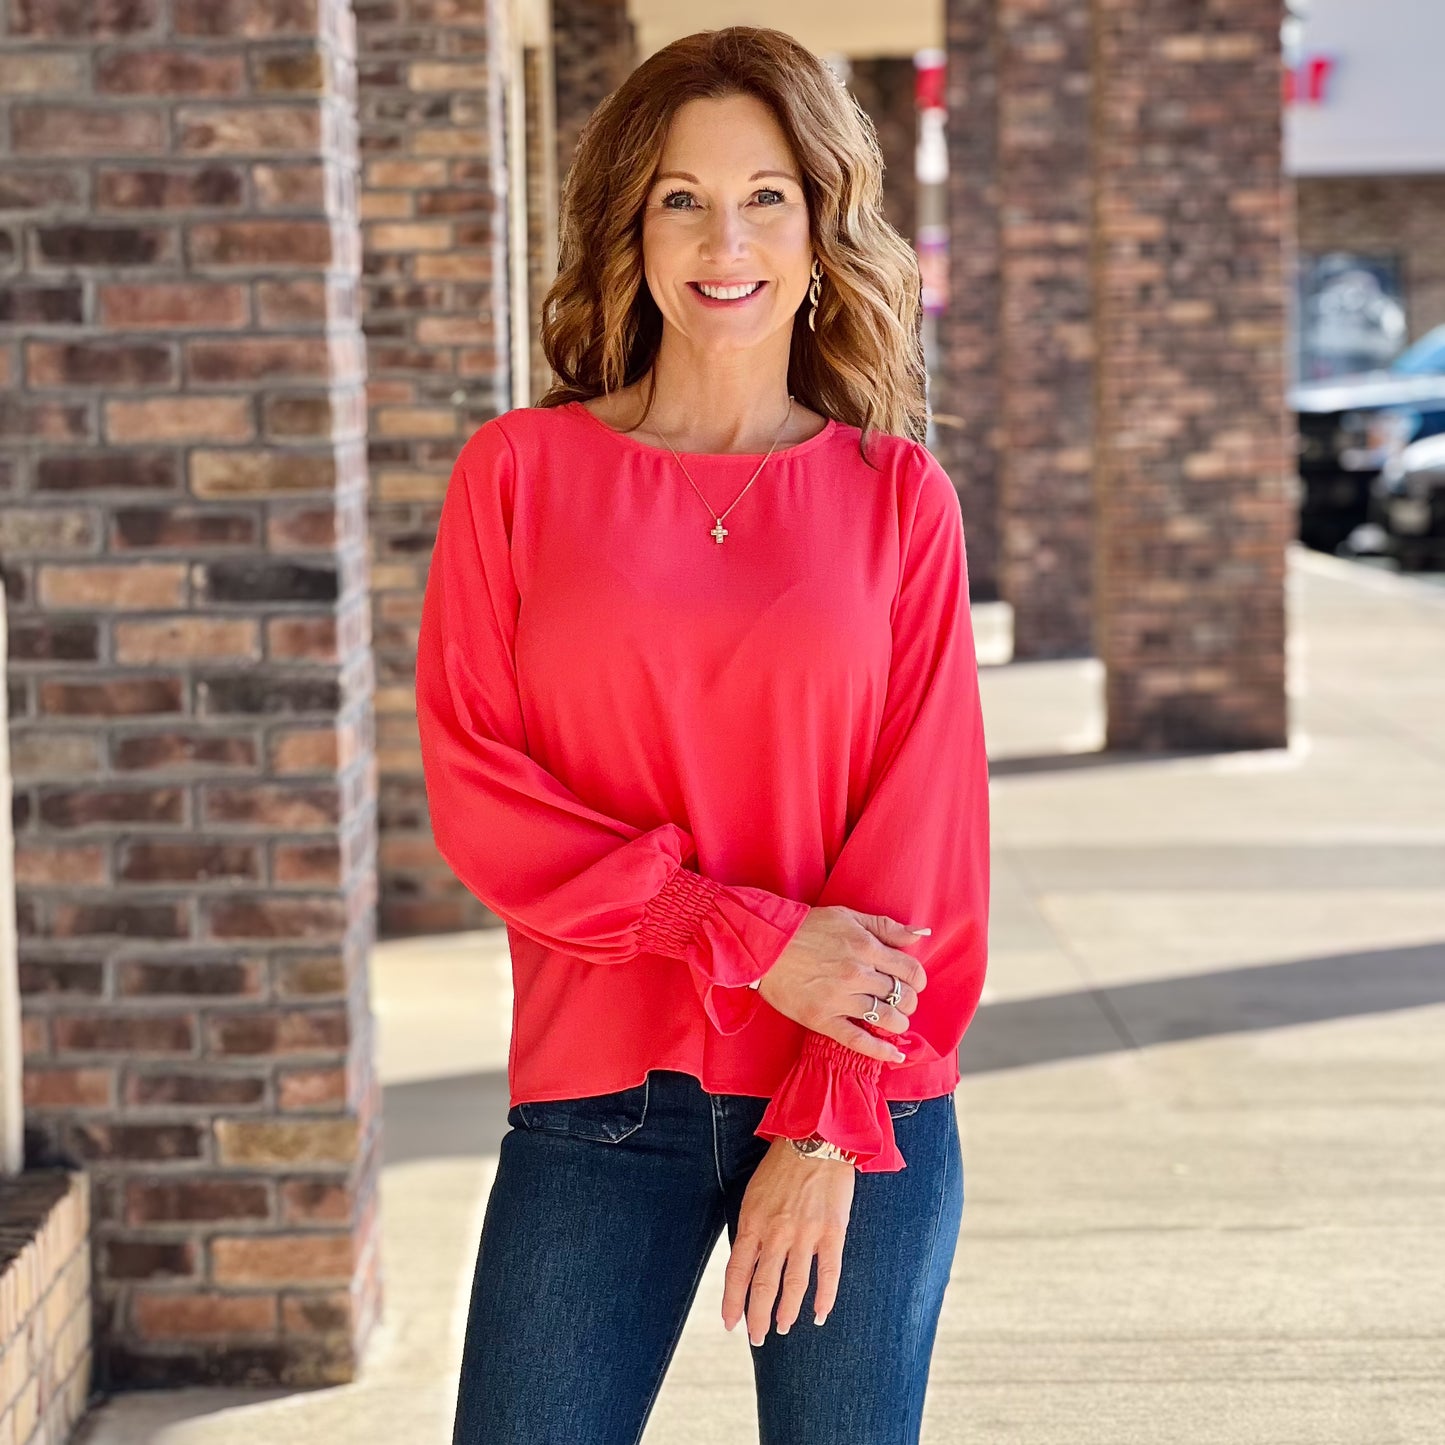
<point>261,473</point>
<point>246,19</point>
<point>306,865</point>
<point>214,978</point>
<point>119,1033</point>
<point>190,860</point>
<point>124,697</point>
<point>248,129</point>
<point>175,750</point>
<point>174,1090</point>
<point>264,358</point>
<point>59,130</point>
<point>125,1259</point>
<point>102,807</point>
<point>186,637</point>
<point>50,865</point>
<point>277,1031</point>
<point>180,418</point>
<point>170,73</point>
<point>316,1201</point>
<point>131,587</point>
<point>274,917</point>
<point>289,244</point>
<point>69,1088</point>
<point>82,19</point>
<point>177,1316</point>
<point>299,1089</point>
<point>173,305</point>
<point>185,1201</point>
<point>280,1259</point>
<point>294,809</point>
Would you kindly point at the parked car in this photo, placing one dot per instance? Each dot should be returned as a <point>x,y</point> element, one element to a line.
<point>1350,426</point>
<point>1406,518</point>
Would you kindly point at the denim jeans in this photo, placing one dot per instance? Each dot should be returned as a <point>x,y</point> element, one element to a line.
<point>602,1217</point>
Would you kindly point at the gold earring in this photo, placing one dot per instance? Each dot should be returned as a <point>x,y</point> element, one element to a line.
<point>813,292</point>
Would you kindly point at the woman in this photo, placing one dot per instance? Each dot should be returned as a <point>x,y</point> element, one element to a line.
<point>700,722</point>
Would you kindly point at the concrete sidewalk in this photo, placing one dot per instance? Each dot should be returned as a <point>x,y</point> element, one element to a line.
<point>1203,1111</point>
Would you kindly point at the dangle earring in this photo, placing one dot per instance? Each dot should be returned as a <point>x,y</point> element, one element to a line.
<point>813,292</point>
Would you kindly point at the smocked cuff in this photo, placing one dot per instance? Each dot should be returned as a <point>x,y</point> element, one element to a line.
<point>835,1091</point>
<point>729,935</point>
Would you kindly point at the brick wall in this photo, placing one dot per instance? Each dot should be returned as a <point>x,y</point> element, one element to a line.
<point>183,530</point>
<point>45,1339</point>
<point>434,302</point>
<point>594,49</point>
<point>1046,342</point>
<point>1193,451</point>
<point>1400,215</point>
<point>884,87</point>
<point>967,395</point>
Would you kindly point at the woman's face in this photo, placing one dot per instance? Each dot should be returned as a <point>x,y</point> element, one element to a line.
<point>727,207</point>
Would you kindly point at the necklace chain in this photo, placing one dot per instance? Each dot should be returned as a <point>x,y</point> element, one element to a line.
<point>718,531</point>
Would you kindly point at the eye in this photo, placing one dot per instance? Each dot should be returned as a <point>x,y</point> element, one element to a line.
<point>667,199</point>
<point>772,191</point>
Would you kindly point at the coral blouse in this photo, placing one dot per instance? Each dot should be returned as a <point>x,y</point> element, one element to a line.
<point>650,752</point>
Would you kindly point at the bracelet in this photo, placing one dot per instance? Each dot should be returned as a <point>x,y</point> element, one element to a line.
<point>816,1147</point>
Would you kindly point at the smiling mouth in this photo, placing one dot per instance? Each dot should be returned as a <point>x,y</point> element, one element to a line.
<point>730,293</point>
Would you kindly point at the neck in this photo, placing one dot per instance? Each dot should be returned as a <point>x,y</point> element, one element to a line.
<point>736,402</point>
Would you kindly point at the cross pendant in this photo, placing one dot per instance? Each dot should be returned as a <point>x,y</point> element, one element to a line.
<point>719,532</point>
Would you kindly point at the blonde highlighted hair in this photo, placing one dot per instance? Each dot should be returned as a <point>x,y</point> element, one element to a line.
<point>864,364</point>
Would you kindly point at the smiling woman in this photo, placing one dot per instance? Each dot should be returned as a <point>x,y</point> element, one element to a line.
<point>741,162</point>
<point>726,784</point>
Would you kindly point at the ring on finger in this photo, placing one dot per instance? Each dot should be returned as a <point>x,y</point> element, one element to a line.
<point>895,993</point>
<point>872,1014</point>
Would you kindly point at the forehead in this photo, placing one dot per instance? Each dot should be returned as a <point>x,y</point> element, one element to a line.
<point>726,134</point>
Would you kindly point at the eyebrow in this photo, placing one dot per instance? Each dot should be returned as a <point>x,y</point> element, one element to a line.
<point>756,176</point>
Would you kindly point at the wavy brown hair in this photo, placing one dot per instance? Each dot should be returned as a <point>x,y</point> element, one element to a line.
<point>601,328</point>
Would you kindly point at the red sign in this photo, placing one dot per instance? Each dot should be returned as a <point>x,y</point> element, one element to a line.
<point>1305,83</point>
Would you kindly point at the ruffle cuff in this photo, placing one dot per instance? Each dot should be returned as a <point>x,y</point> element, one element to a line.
<point>834,1091</point>
<point>729,935</point>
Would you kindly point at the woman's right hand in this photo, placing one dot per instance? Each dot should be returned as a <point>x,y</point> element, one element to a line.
<point>838,957</point>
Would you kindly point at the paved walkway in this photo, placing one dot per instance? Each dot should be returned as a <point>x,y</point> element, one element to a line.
<point>1203,1112</point>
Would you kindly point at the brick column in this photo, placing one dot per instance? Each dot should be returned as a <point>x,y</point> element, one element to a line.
<point>594,49</point>
<point>183,527</point>
<point>883,85</point>
<point>1193,448</point>
<point>1046,507</point>
<point>968,394</point>
<point>435,305</point>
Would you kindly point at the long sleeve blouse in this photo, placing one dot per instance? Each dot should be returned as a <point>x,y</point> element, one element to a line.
<point>650,752</point>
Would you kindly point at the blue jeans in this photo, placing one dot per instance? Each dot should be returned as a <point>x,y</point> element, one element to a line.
<point>601,1220</point>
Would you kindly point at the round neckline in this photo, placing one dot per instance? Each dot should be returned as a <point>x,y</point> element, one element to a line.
<point>829,428</point>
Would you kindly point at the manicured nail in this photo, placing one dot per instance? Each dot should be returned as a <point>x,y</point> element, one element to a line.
<point>781,1329</point>
<point>818,1319</point>
<point>920,930</point>
<point>898,1056</point>
<point>756,1343</point>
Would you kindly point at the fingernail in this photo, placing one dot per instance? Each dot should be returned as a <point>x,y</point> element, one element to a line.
<point>898,1057</point>
<point>920,930</point>
<point>781,1329</point>
<point>756,1343</point>
<point>818,1319</point>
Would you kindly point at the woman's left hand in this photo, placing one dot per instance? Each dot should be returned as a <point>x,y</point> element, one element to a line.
<point>793,1208</point>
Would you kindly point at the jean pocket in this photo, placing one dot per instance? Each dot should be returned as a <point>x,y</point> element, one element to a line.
<point>602,1118</point>
<point>902,1108</point>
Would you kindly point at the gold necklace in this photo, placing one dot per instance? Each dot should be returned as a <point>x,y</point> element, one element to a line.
<point>718,531</point>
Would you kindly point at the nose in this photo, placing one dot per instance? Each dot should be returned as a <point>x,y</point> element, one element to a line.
<point>724,233</point>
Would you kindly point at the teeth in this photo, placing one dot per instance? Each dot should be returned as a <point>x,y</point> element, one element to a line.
<point>728,293</point>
